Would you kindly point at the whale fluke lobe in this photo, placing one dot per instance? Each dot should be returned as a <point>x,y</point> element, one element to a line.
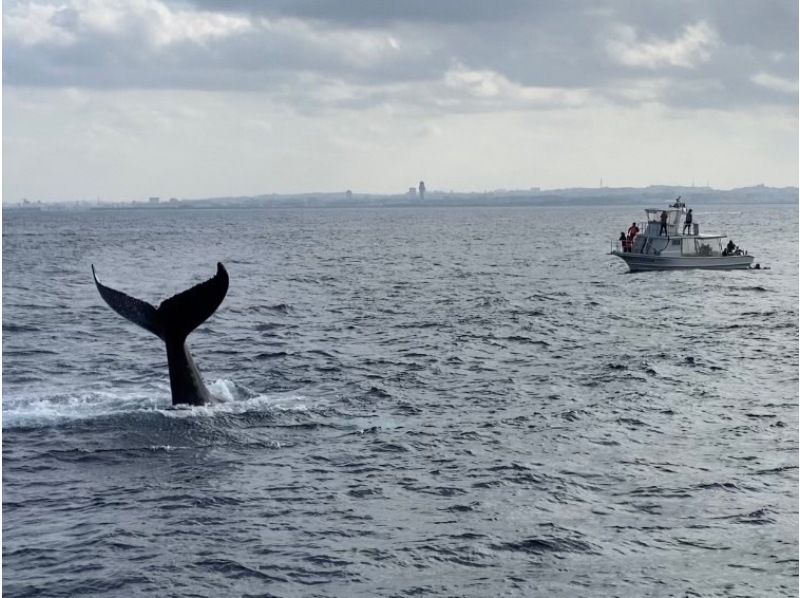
<point>133,309</point>
<point>172,322</point>
<point>187,310</point>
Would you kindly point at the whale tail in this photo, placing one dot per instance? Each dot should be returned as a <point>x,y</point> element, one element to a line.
<point>177,316</point>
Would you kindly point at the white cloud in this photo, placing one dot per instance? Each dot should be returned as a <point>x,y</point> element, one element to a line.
<point>34,24</point>
<point>365,48</point>
<point>693,47</point>
<point>775,83</point>
<point>490,85</point>
<point>641,90</point>
<point>46,24</point>
<point>357,48</point>
<point>168,26</point>
<point>480,84</point>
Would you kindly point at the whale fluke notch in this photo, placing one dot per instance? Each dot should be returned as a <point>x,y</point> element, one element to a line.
<point>172,322</point>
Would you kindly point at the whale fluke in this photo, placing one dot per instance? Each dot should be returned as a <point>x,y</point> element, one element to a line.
<point>172,322</point>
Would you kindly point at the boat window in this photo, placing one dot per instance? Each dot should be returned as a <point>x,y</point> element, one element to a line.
<point>676,241</point>
<point>673,216</point>
<point>701,247</point>
<point>689,246</point>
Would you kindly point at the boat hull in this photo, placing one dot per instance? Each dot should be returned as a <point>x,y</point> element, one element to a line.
<point>638,262</point>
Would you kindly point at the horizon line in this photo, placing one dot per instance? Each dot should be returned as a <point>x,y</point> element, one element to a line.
<point>368,194</point>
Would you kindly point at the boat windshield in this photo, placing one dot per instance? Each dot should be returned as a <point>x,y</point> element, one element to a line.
<point>673,216</point>
<point>701,246</point>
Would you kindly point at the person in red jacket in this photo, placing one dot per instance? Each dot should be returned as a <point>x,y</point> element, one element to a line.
<point>632,232</point>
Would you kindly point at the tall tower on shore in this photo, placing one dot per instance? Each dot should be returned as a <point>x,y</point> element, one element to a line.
<point>422,189</point>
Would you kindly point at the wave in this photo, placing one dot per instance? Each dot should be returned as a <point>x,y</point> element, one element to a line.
<point>13,327</point>
<point>229,398</point>
<point>540,545</point>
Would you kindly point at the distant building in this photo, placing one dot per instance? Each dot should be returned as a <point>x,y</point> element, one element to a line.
<point>173,200</point>
<point>412,192</point>
<point>154,200</point>
<point>422,189</point>
<point>348,194</point>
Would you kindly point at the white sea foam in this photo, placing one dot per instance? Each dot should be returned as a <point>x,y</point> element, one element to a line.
<point>231,397</point>
<point>50,408</point>
<point>43,409</point>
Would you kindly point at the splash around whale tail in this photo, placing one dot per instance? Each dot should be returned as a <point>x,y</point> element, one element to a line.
<point>177,316</point>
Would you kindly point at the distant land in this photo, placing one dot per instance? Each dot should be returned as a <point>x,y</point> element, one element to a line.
<point>654,195</point>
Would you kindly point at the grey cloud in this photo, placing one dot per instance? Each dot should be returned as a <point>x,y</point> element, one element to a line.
<point>768,25</point>
<point>401,52</point>
<point>381,13</point>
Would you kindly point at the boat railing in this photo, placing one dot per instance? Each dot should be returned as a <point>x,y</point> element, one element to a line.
<point>618,245</point>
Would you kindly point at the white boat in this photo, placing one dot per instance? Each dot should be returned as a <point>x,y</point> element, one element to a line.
<point>660,244</point>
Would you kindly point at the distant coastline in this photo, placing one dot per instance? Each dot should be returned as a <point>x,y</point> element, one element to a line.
<point>655,195</point>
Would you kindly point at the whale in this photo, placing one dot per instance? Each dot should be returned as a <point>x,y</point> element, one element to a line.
<point>172,321</point>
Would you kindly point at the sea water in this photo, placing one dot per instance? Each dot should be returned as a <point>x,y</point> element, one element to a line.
<point>408,402</point>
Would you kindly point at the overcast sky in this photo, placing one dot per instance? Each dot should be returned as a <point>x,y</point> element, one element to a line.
<point>124,99</point>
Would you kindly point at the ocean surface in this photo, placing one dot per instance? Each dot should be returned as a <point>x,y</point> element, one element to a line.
<point>408,402</point>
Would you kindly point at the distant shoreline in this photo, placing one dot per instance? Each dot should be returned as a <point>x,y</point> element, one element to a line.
<point>653,196</point>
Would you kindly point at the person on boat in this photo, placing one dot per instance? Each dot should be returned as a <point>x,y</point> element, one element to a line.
<point>663,224</point>
<point>688,222</point>
<point>623,241</point>
<point>731,246</point>
<point>632,232</point>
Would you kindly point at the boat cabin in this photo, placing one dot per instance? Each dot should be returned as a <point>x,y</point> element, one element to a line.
<point>652,240</point>
<point>653,223</point>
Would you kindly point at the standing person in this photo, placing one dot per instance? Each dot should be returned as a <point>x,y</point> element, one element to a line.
<point>663,224</point>
<point>623,240</point>
<point>632,232</point>
<point>688,222</point>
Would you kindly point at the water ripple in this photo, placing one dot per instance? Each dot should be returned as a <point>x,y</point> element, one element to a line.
<point>407,402</point>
